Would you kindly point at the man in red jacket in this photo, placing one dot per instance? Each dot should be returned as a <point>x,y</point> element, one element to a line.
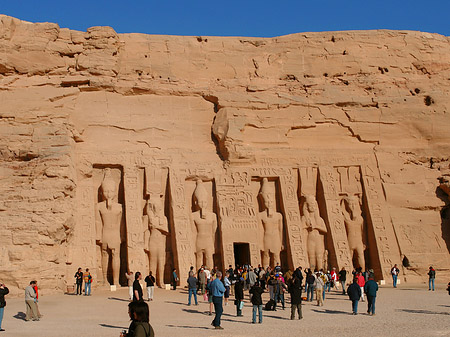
<point>361,283</point>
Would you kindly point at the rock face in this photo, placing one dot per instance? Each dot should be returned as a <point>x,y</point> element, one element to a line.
<point>331,143</point>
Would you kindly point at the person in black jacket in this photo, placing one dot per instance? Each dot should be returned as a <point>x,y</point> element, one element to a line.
<point>239,295</point>
<point>79,280</point>
<point>257,302</point>
<point>3,291</point>
<point>354,293</point>
<point>137,289</point>
<point>295,289</point>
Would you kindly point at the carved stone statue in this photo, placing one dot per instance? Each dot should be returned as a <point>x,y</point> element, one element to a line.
<point>272,223</point>
<point>316,230</point>
<point>354,223</point>
<point>155,237</point>
<point>205,226</point>
<point>108,220</point>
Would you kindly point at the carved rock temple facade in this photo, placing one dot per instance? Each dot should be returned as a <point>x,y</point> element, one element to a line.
<point>129,152</point>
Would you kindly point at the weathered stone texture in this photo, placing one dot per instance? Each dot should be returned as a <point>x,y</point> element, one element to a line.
<point>74,103</point>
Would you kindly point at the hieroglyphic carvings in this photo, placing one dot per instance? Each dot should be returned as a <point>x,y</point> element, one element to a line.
<point>387,246</point>
<point>237,214</point>
<point>134,229</point>
<point>182,238</point>
<point>329,180</point>
<point>296,244</point>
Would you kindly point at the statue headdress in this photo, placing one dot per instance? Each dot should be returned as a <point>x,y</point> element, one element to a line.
<point>200,191</point>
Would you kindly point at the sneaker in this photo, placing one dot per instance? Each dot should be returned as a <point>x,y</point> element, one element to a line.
<point>2,329</point>
<point>218,328</point>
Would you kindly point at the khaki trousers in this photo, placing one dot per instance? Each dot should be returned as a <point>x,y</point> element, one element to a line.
<point>31,310</point>
<point>319,296</point>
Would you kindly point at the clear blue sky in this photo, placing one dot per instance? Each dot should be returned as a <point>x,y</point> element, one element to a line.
<point>261,18</point>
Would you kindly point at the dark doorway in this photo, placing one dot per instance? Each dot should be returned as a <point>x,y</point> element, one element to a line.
<point>241,254</point>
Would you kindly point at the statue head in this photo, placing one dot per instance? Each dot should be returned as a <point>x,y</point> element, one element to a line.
<point>267,195</point>
<point>352,202</point>
<point>154,204</point>
<point>311,203</point>
<point>108,186</point>
<point>200,194</point>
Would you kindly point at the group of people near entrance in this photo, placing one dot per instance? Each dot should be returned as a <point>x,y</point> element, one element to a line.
<point>216,288</point>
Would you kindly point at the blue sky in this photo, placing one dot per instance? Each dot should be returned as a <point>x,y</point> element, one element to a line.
<point>236,18</point>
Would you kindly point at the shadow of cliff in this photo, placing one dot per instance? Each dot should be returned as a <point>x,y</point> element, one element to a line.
<point>445,217</point>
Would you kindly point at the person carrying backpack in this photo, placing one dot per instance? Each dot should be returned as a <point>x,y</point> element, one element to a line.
<point>432,276</point>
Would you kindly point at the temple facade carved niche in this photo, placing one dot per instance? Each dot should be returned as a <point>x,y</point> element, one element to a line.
<point>110,225</point>
<point>271,226</point>
<point>156,228</point>
<point>314,226</point>
<point>360,236</point>
<point>204,227</point>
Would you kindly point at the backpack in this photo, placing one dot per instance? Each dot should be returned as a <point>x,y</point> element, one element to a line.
<point>270,306</point>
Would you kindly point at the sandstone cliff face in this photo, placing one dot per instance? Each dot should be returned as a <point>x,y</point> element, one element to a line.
<point>76,102</point>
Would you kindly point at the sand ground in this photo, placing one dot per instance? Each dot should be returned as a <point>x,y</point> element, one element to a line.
<point>405,311</point>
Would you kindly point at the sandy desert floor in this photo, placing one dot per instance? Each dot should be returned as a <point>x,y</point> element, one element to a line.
<point>405,311</point>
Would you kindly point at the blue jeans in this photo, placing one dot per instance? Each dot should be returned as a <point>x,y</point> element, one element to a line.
<point>323,293</point>
<point>87,289</point>
<point>355,306</point>
<point>192,291</point>
<point>259,307</point>
<point>217,301</point>
<point>371,304</point>
<point>430,284</point>
<point>309,290</point>
<point>1,316</point>
<point>394,279</point>
<point>327,288</point>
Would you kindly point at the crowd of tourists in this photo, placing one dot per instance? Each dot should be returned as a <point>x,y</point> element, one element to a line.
<point>240,282</point>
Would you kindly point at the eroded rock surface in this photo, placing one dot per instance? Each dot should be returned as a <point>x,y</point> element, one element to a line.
<point>331,115</point>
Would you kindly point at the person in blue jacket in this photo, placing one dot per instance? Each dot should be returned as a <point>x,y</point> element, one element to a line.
<point>217,290</point>
<point>371,288</point>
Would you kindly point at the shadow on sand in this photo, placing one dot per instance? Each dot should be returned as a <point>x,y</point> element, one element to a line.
<point>420,311</point>
<point>113,326</point>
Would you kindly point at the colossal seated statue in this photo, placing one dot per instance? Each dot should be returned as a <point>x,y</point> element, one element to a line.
<point>155,237</point>
<point>316,232</point>
<point>204,224</point>
<point>108,221</point>
<point>354,223</point>
<point>272,224</point>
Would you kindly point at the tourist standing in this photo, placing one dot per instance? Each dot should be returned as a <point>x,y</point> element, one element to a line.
<point>87,282</point>
<point>334,278</point>
<point>137,289</point>
<point>431,277</point>
<point>174,279</point>
<point>202,280</point>
<point>227,284</point>
<point>310,279</point>
<point>217,291</point>
<point>394,272</point>
<point>361,283</point>
<point>150,283</point>
<point>192,287</point>
<point>30,296</point>
<point>140,326</point>
<point>354,293</point>
<point>371,288</point>
<point>130,280</point>
<point>280,288</point>
<point>256,291</point>
<point>295,289</point>
<point>3,291</point>
<point>343,279</point>
<point>239,295</point>
<point>79,281</point>
<point>36,300</point>
<point>318,287</point>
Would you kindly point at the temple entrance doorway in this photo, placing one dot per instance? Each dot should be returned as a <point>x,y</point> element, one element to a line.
<point>241,253</point>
